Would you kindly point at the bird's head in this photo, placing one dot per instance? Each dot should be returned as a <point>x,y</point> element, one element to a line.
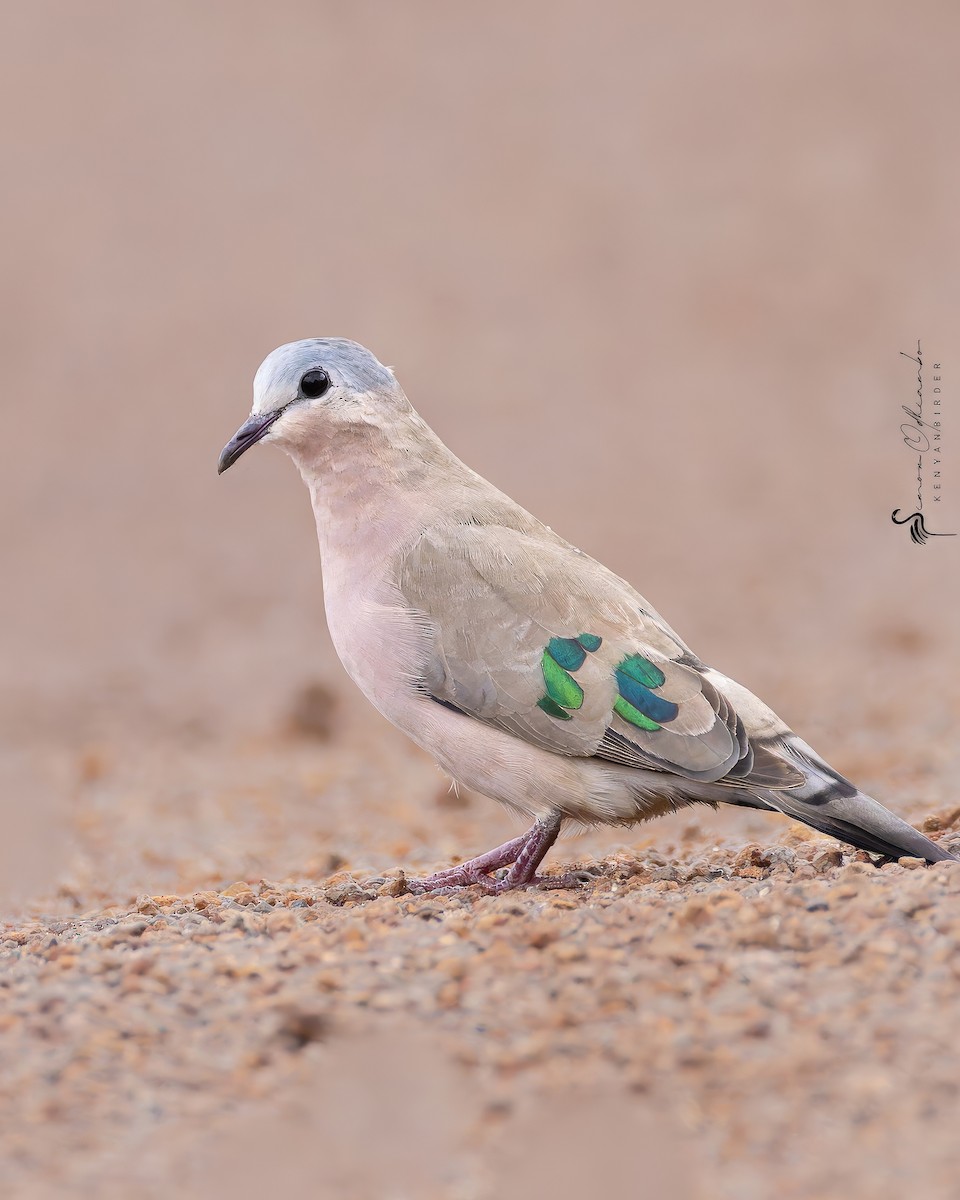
<point>303,390</point>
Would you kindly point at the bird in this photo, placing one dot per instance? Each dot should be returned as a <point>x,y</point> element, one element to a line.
<point>529,671</point>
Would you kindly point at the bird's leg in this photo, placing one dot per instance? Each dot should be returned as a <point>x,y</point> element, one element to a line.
<point>466,873</point>
<point>523,855</point>
<point>523,872</point>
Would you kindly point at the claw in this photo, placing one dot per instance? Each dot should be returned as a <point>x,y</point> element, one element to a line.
<point>521,857</point>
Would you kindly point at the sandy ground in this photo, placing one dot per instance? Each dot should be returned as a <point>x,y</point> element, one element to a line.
<point>650,270</point>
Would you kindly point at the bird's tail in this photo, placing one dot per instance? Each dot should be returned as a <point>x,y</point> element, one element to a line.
<point>830,803</point>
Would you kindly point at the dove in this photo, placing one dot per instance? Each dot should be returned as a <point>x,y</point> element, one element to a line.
<point>529,671</point>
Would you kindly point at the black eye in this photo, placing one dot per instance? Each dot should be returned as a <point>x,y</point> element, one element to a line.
<point>314,384</point>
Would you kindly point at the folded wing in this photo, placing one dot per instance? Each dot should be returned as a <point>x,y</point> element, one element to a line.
<point>536,638</point>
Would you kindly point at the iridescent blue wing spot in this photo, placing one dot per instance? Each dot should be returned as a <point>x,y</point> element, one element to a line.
<point>637,677</point>
<point>655,707</point>
<point>566,653</point>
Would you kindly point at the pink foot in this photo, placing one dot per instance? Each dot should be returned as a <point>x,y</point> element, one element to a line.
<point>523,856</point>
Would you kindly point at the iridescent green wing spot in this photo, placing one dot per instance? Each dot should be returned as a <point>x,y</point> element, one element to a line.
<point>562,656</point>
<point>562,688</point>
<point>626,710</point>
<point>637,679</point>
<point>635,666</point>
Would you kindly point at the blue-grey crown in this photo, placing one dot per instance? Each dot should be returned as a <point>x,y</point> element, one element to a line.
<point>347,363</point>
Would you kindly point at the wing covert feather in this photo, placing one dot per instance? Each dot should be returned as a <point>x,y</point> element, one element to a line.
<point>533,636</point>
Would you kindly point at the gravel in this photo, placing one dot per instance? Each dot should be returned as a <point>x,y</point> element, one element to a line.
<point>748,1004</point>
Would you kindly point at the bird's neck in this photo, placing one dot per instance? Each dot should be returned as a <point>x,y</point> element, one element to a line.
<point>374,488</point>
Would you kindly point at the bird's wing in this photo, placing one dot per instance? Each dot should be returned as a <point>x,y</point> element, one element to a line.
<point>533,636</point>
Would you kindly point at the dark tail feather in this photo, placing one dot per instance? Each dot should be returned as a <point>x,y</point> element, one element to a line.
<point>860,821</point>
<point>833,805</point>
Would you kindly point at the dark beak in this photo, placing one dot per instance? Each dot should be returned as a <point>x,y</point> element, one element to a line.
<point>249,433</point>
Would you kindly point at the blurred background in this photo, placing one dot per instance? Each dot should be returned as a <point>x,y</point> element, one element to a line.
<point>677,246</point>
<point>612,250</point>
